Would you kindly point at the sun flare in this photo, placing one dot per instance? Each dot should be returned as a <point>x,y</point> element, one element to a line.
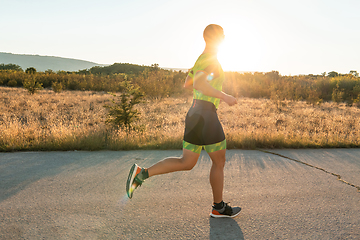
<point>241,50</point>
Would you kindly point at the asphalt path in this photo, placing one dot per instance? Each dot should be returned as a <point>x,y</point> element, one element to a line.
<point>285,194</point>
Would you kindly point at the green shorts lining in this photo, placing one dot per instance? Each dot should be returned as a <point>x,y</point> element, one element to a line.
<point>208,148</point>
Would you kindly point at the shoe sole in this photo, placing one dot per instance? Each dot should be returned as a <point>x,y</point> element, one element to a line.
<point>130,180</point>
<point>225,216</point>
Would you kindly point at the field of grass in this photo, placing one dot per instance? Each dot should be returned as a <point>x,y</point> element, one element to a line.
<point>75,120</point>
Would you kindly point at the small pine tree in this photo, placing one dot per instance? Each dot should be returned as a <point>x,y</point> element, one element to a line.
<point>31,85</point>
<point>122,113</point>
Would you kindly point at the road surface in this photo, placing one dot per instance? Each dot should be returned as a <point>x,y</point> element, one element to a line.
<point>81,195</point>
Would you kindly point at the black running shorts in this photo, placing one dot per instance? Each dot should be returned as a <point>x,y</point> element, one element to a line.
<point>202,125</point>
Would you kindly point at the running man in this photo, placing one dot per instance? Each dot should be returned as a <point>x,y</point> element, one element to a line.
<point>202,126</point>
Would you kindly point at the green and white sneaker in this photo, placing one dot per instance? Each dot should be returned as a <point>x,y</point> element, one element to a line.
<point>226,211</point>
<point>133,180</point>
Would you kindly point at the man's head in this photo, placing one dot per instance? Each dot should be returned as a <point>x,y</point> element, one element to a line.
<point>213,34</point>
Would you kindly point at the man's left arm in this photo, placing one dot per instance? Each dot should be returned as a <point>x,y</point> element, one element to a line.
<point>188,83</point>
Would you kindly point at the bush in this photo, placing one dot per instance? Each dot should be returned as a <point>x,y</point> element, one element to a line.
<point>122,114</point>
<point>57,87</point>
<point>12,83</point>
<point>31,85</point>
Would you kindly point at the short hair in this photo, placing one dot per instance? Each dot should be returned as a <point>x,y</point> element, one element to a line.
<point>213,33</point>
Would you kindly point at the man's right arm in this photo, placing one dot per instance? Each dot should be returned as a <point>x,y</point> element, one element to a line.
<point>202,85</point>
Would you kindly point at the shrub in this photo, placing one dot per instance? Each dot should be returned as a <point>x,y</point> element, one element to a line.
<point>337,94</point>
<point>31,85</point>
<point>12,83</point>
<point>57,87</point>
<point>122,114</point>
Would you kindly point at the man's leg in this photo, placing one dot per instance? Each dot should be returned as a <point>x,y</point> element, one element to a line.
<point>137,175</point>
<point>220,209</point>
<point>217,174</point>
<point>186,162</point>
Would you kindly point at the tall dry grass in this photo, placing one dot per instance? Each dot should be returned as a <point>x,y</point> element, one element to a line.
<point>292,124</point>
<point>75,120</point>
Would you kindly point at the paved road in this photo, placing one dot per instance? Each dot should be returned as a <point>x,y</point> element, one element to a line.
<point>81,195</point>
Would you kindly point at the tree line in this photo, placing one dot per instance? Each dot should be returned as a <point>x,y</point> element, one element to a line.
<point>155,82</point>
<point>311,88</point>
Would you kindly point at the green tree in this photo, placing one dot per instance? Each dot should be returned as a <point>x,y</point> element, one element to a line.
<point>31,84</point>
<point>354,73</point>
<point>122,113</point>
<point>155,67</point>
<point>30,70</point>
<point>10,67</point>
<point>333,74</point>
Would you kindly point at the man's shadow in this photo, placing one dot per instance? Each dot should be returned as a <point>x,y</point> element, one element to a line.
<point>225,228</point>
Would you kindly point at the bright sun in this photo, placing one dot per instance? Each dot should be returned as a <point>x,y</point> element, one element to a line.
<point>241,50</point>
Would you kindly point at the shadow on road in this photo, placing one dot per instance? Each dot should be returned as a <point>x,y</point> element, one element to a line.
<point>18,170</point>
<point>225,228</point>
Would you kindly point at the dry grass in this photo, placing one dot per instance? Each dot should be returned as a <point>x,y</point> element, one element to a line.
<point>75,120</point>
<point>261,123</point>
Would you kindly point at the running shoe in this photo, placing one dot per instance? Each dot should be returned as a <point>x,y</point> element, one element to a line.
<point>226,211</point>
<point>133,180</point>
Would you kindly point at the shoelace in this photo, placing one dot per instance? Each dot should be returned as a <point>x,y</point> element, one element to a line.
<point>228,210</point>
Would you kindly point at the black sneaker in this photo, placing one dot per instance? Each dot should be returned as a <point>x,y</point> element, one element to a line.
<point>133,181</point>
<point>226,211</point>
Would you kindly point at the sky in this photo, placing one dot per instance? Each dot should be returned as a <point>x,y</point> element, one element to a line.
<point>290,36</point>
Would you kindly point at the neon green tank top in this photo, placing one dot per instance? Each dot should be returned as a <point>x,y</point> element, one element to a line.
<point>208,64</point>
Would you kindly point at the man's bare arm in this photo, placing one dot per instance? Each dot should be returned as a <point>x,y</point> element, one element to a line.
<point>201,84</point>
<point>188,83</point>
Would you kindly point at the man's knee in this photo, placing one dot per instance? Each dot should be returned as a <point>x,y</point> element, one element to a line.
<point>218,158</point>
<point>219,162</point>
<point>188,164</point>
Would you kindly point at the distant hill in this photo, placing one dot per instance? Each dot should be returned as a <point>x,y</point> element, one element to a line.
<point>43,63</point>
